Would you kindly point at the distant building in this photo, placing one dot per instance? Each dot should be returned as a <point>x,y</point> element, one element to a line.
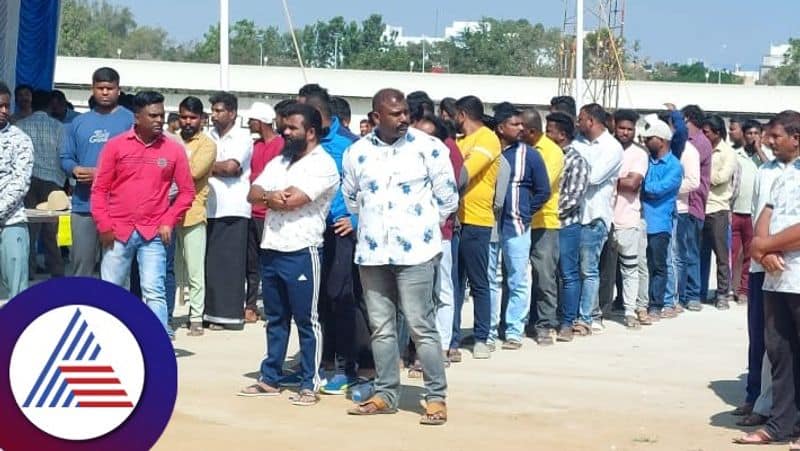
<point>453,31</point>
<point>775,58</point>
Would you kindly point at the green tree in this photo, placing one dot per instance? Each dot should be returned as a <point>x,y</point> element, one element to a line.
<point>692,73</point>
<point>789,73</point>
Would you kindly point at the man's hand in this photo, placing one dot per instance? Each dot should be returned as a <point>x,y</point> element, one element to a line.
<point>83,174</point>
<point>670,106</point>
<point>773,262</point>
<point>165,232</point>
<point>343,226</point>
<point>757,248</point>
<point>275,200</point>
<point>107,239</point>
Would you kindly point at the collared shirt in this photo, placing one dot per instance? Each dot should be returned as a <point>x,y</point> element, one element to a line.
<point>45,133</point>
<point>765,178</point>
<point>263,153</point>
<point>315,175</point>
<point>628,206</point>
<point>403,192</point>
<point>228,195</point>
<point>202,153</point>
<point>699,198</point>
<point>572,189</point>
<point>785,202</point>
<point>690,162</point>
<point>481,151</point>
<point>604,155</point>
<point>553,156</point>
<point>16,165</point>
<point>457,162</point>
<point>131,188</point>
<point>527,190</point>
<point>335,143</point>
<point>661,186</point>
<point>723,167</point>
<point>743,203</point>
<point>82,142</point>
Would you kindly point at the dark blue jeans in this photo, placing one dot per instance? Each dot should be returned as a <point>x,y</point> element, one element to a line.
<point>687,258</point>
<point>569,241</point>
<point>657,247</point>
<point>755,331</point>
<point>473,264</point>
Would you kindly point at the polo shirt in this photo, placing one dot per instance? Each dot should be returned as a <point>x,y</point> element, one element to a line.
<point>481,150</point>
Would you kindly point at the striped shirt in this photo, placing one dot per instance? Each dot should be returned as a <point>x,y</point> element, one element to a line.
<point>572,190</point>
<point>45,133</point>
<point>527,190</point>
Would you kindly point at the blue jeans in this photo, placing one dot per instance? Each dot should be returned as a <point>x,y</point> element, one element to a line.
<point>14,250</point>
<point>687,258</point>
<point>495,289</point>
<point>516,251</point>
<point>671,291</point>
<point>473,261</point>
<point>755,332</point>
<point>593,237</point>
<point>152,259</point>
<point>569,243</point>
<point>657,248</point>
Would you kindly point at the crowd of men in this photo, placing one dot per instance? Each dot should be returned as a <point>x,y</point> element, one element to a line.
<point>541,222</point>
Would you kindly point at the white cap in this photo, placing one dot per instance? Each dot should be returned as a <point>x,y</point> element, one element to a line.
<point>262,112</point>
<point>655,127</point>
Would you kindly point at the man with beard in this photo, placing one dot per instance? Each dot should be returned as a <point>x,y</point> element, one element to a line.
<point>297,189</point>
<point>80,148</point>
<point>191,232</point>
<point>659,193</point>
<point>130,201</point>
<point>752,142</point>
<point>228,216</point>
<point>400,183</point>
<point>481,149</point>
<point>265,148</point>
<point>736,133</point>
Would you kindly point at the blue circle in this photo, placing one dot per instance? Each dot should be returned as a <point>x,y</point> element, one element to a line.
<point>150,416</point>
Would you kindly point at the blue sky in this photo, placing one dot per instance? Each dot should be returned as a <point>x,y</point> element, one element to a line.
<point>720,32</point>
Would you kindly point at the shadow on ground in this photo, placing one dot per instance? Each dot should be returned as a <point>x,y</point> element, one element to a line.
<point>732,393</point>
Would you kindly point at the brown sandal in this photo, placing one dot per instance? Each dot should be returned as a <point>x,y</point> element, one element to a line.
<point>759,437</point>
<point>582,330</point>
<point>415,371</point>
<point>435,414</point>
<point>373,406</point>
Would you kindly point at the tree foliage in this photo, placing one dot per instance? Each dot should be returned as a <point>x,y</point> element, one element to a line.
<point>789,73</point>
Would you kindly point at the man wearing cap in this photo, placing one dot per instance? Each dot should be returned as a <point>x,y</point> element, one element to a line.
<point>659,193</point>
<point>268,145</point>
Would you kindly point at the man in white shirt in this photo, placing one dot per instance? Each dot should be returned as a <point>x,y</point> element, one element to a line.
<point>297,188</point>
<point>228,216</point>
<point>400,181</point>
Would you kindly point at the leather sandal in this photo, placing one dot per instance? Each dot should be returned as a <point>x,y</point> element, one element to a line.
<point>435,413</point>
<point>373,406</point>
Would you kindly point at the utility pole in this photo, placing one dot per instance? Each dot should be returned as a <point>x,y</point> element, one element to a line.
<point>224,13</point>
<point>579,54</point>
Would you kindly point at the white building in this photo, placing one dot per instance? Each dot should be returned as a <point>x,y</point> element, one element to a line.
<point>453,31</point>
<point>775,58</point>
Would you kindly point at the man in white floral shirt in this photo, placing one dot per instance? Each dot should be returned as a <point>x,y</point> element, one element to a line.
<point>16,166</point>
<point>400,181</point>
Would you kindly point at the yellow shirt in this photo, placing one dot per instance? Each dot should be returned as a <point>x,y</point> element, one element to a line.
<point>202,153</point>
<point>553,156</point>
<point>481,151</point>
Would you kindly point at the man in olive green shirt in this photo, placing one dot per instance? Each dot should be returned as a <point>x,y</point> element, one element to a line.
<point>191,243</point>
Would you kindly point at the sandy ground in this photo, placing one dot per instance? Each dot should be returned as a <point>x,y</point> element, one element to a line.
<point>666,387</point>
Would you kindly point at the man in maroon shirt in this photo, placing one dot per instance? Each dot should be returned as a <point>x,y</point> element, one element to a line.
<point>130,201</point>
<point>265,148</point>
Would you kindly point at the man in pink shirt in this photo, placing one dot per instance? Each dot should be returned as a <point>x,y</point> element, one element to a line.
<point>130,201</point>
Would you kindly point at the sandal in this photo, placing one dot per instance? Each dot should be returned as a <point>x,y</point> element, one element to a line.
<point>753,419</point>
<point>304,398</point>
<point>759,437</point>
<point>373,406</point>
<point>259,389</point>
<point>454,355</point>
<point>215,326</point>
<point>415,371</point>
<point>435,413</point>
<point>195,330</point>
<point>582,330</point>
<point>794,446</point>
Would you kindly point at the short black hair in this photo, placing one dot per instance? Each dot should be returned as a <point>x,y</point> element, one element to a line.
<point>717,125</point>
<point>532,119</point>
<point>340,108</point>
<point>365,121</point>
<point>789,120</point>
<point>752,123</point>
<point>596,112</point>
<point>694,114</point>
<point>471,106</point>
<point>227,99</point>
<point>4,89</point>
<point>564,122</point>
<point>172,117</point>
<point>41,100</point>
<point>385,95</point>
<point>440,128</point>
<point>318,101</point>
<point>564,104</point>
<point>311,117</point>
<point>626,115</point>
<point>192,104</point>
<point>314,89</point>
<point>282,105</point>
<point>422,99</point>
<point>125,101</point>
<point>105,74</point>
<point>448,104</point>
<point>58,95</point>
<point>19,88</point>
<point>146,98</point>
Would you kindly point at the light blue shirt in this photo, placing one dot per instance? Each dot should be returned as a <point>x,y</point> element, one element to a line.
<point>765,178</point>
<point>604,156</point>
<point>785,202</point>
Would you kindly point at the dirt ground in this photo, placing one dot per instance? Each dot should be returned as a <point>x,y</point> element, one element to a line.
<point>666,387</point>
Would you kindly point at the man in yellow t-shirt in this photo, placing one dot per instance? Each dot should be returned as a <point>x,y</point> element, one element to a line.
<point>481,149</point>
<point>544,233</point>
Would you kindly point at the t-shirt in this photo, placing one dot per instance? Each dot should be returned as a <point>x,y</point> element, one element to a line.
<point>82,142</point>
<point>228,195</point>
<point>553,156</point>
<point>315,175</point>
<point>628,208</point>
<point>263,153</point>
<point>481,150</point>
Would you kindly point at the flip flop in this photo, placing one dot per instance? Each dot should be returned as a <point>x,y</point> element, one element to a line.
<point>759,437</point>
<point>380,407</point>
<point>435,414</point>
<point>256,390</point>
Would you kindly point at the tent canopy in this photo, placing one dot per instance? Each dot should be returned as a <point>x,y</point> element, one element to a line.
<point>28,42</point>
